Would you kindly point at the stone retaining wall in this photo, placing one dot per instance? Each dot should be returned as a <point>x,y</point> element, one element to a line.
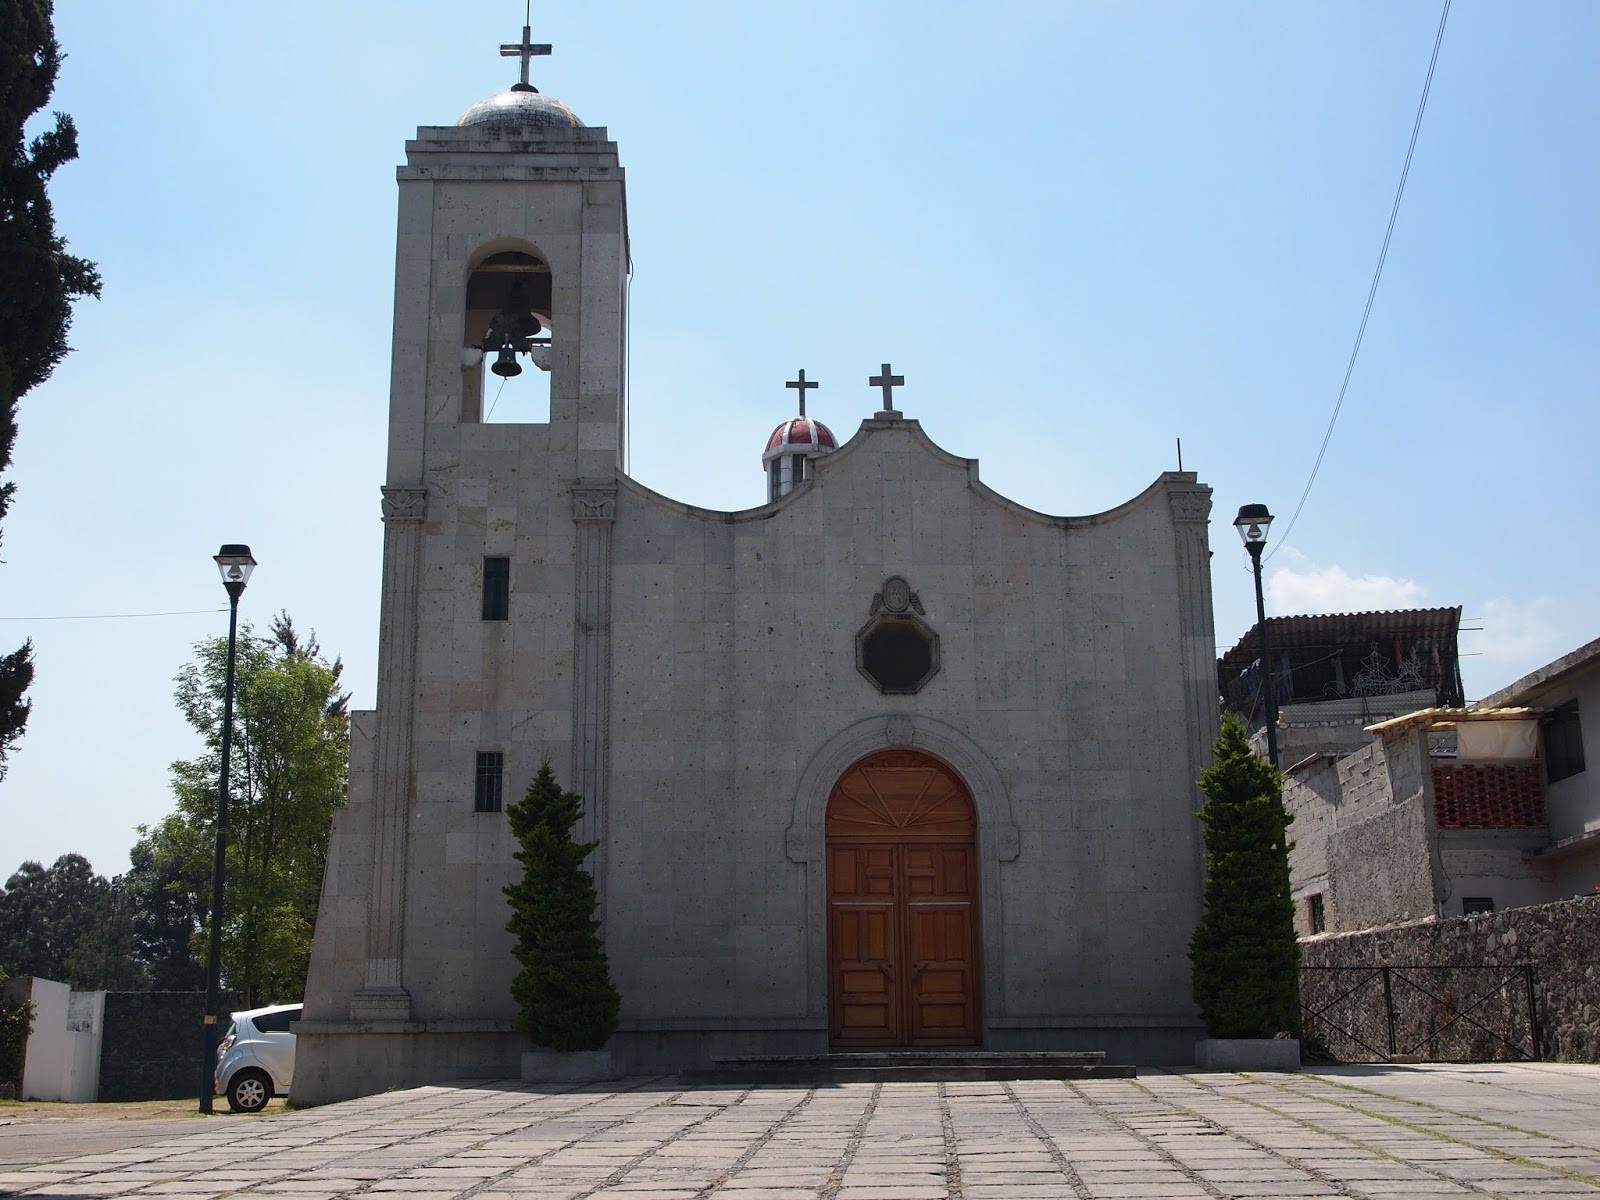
<point>1561,940</point>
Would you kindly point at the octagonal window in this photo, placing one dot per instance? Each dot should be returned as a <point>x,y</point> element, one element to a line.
<point>897,653</point>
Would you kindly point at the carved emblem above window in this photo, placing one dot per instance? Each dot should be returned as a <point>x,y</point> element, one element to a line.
<point>896,649</point>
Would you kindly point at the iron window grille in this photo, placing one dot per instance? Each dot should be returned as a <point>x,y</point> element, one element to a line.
<point>489,794</point>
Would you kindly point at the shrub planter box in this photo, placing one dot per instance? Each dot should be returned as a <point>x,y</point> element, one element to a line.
<point>1247,1054</point>
<point>568,1066</point>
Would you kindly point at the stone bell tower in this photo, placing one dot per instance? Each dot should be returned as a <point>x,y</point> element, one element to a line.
<point>512,255</point>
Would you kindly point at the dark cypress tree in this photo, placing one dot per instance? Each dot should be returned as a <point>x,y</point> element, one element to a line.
<point>1244,953</point>
<point>38,278</point>
<point>565,999</point>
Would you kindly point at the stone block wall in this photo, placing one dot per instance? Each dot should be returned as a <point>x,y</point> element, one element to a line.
<point>151,1046</point>
<point>1561,940</point>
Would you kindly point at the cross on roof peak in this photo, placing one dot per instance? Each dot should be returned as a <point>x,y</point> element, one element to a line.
<point>527,50</point>
<point>802,385</point>
<point>887,381</point>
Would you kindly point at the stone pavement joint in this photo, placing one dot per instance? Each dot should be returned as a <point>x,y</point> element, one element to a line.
<point>1398,1134</point>
<point>1445,1179</point>
<point>1519,1160</point>
<point>952,1154</point>
<point>1062,1163</point>
<point>1189,1172</point>
<point>852,1147</point>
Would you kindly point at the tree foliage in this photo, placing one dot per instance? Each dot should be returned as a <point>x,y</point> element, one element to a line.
<point>565,999</point>
<point>1245,957</point>
<point>38,278</point>
<point>291,743</point>
<point>169,884</point>
<point>66,923</point>
<point>16,1020</point>
<point>146,929</point>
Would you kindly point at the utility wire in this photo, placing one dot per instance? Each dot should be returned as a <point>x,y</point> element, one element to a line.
<point>187,612</point>
<point>1372,291</point>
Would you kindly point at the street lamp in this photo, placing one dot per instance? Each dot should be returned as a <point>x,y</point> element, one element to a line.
<point>1252,523</point>
<point>235,563</point>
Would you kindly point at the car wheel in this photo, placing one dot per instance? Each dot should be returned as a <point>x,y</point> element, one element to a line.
<point>249,1091</point>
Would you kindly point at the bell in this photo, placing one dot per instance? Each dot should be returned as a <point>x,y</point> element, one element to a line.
<point>505,364</point>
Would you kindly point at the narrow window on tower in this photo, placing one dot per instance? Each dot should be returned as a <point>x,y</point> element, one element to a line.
<point>496,589</point>
<point>489,791</point>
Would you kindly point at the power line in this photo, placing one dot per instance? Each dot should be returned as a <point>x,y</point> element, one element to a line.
<point>187,612</point>
<point>1372,291</point>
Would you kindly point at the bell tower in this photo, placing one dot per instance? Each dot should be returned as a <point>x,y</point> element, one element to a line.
<point>511,256</point>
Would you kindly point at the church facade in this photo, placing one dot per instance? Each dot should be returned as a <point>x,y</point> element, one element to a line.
<point>887,760</point>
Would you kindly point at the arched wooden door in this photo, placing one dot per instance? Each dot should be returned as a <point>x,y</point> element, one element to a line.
<point>902,904</point>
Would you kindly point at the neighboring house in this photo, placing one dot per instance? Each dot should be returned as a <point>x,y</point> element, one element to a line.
<point>1334,674</point>
<point>1567,688</point>
<point>1447,811</point>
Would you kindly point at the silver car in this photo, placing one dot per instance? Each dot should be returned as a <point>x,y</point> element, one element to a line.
<point>256,1059</point>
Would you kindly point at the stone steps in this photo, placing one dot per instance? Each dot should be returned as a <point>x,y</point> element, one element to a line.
<point>909,1066</point>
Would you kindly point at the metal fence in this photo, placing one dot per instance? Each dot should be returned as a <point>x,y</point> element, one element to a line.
<point>1474,1012</point>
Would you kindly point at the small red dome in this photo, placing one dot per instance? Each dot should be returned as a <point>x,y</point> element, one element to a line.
<point>800,435</point>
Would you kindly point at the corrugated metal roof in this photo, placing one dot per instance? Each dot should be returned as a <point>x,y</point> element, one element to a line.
<point>1331,630</point>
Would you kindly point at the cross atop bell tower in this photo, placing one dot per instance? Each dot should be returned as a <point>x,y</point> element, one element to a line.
<point>527,50</point>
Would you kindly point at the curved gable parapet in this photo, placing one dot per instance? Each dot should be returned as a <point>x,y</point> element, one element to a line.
<point>840,459</point>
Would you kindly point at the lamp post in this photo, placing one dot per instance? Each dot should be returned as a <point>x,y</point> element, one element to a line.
<point>1252,523</point>
<point>235,563</point>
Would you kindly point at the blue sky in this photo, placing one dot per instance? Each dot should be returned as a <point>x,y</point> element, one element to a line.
<point>1080,230</point>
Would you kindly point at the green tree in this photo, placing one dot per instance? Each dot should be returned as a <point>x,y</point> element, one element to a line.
<point>565,999</point>
<point>290,749</point>
<point>38,278</point>
<point>16,1020</point>
<point>45,912</point>
<point>105,953</point>
<point>1245,957</point>
<point>169,883</point>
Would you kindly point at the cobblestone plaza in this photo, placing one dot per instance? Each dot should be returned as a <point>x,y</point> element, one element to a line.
<point>1490,1130</point>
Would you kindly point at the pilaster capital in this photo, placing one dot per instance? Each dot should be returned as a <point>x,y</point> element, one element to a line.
<point>401,504</point>
<point>1190,505</point>
<point>594,501</point>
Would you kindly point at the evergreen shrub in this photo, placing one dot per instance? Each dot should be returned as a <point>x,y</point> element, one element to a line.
<point>1245,958</point>
<point>565,999</point>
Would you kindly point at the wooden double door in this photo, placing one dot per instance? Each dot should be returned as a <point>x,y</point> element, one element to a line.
<point>902,905</point>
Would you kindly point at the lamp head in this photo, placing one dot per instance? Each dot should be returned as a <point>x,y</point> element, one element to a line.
<point>1252,523</point>
<point>235,563</point>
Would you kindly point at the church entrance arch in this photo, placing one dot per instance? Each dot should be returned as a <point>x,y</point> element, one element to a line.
<point>902,904</point>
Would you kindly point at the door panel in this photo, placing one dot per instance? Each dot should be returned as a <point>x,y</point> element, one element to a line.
<point>943,984</point>
<point>902,897</point>
<point>866,1000</point>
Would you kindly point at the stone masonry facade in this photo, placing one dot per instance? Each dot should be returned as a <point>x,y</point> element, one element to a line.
<point>692,673</point>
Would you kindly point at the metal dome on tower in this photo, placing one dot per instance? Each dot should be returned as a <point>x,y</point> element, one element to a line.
<point>521,105</point>
<point>794,445</point>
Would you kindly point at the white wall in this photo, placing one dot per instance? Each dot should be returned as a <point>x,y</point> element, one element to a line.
<point>62,1058</point>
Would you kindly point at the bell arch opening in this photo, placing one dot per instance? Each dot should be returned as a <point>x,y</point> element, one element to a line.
<point>508,340</point>
<point>902,879</point>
